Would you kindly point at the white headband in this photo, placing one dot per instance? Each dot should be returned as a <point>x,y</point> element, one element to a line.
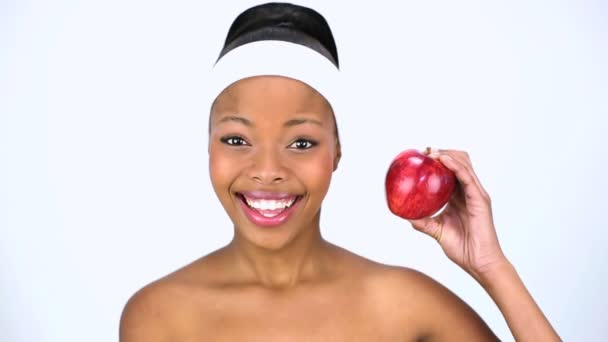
<point>277,58</point>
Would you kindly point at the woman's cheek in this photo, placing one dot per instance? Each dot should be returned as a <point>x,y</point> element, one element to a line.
<point>220,165</point>
<point>318,172</point>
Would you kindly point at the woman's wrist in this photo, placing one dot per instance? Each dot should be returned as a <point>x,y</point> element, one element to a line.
<point>497,272</point>
<point>523,316</point>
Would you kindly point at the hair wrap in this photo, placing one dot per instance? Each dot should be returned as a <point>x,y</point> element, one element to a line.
<point>275,58</point>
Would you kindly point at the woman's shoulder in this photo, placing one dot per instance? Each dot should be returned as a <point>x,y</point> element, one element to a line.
<point>415,299</point>
<point>388,276</point>
<point>394,286</point>
<point>158,310</point>
<point>146,314</point>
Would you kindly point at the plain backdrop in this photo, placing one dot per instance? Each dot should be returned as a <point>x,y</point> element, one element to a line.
<point>104,183</point>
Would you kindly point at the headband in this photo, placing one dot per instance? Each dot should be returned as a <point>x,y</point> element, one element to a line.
<point>277,58</point>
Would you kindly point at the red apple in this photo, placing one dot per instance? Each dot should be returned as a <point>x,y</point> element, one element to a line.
<point>417,185</point>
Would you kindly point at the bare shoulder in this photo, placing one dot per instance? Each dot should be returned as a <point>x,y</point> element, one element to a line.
<point>420,301</point>
<point>415,301</point>
<point>160,311</point>
<point>143,317</point>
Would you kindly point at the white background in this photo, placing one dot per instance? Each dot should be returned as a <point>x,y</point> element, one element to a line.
<point>103,172</point>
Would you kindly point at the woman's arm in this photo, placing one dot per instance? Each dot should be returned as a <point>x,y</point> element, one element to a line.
<point>525,319</point>
<point>465,231</point>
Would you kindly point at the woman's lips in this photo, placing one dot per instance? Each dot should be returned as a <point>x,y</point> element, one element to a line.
<point>270,208</point>
<point>266,195</point>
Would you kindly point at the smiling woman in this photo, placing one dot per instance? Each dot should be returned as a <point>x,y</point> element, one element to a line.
<point>273,148</point>
<point>271,157</point>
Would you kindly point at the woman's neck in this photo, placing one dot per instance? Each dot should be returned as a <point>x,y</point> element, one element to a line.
<point>300,260</point>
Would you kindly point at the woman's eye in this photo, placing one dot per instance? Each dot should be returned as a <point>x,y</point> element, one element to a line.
<point>234,141</point>
<point>303,144</point>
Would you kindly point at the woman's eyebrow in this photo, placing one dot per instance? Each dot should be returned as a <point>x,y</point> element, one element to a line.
<point>289,123</point>
<point>240,119</point>
<point>300,121</point>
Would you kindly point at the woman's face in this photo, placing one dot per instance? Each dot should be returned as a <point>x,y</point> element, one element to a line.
<point>272,151</point>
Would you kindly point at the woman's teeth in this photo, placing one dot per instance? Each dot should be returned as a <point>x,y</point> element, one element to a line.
<point>265,204</point>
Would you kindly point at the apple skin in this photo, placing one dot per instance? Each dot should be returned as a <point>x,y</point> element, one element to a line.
<point>417,185</point>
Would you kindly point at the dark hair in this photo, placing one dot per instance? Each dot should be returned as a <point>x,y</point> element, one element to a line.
<point>282,21</point>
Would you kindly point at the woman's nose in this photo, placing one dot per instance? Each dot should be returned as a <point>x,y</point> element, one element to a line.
<point>267,167</point>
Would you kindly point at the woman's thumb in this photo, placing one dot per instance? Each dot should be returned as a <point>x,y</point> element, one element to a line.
<point>429,226</point>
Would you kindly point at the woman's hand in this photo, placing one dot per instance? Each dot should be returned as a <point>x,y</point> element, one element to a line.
<point>465,231</point>
<point>465,228</point>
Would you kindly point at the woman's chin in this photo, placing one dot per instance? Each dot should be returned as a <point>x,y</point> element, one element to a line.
<point>273,239</point>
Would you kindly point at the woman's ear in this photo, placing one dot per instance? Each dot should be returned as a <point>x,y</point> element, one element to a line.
<point>338,154</point>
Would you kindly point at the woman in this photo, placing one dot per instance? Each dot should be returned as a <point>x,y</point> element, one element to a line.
<point>273,146</point>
